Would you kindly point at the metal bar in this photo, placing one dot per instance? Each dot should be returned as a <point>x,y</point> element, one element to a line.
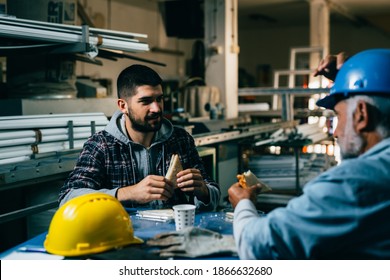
<point>53,116</point>
<point>295,72</point>
<point>279,91</point>
<point>70,48</point>
<point>17,141</point>
<point>28,211</point>
<point>60,37</point>
<point>210,151</point>
<point>307,50</point>
<point>76,130</point>
<point>58,146</point>
<point>17,151</point>
<point>32,49</point>
<point>212,138</point>
<point>87,59</point>
<point>120,43</point>
<point>64,137</point>
<point>93,127</point>
<point>63,27</point>
<point>70,134</point>
<point>121,54</point>
<point>13,160</point>
<point>49,122</point>
<point>286,108</point>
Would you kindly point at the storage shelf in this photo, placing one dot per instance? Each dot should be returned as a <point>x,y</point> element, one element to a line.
<point>94,38</point>
<point>262,91</point>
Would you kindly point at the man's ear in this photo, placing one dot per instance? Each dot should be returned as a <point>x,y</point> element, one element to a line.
<point>122,105</point>
<point>362,117</point>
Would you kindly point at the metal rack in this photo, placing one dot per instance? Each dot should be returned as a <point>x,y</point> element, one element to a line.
<point>288,98</point>
<point>25,137</point>
<point>286,94</point>
<point>285,112</point>
<point>76,38</point>
<point>294,138</point>
<point>85,42</point>
<point>46,166</point>
<point>290,181</point>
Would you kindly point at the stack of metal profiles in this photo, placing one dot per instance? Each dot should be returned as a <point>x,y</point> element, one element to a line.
<point>279,171</point>
<point>28,137</point>
<point>91,39</point>
<point>36,149</point>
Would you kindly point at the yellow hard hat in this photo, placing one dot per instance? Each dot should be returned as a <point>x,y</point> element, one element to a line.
<point>89,224</point>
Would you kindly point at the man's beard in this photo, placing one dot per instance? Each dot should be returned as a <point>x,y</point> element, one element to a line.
<point>144,125</point>
<point>351,145</point>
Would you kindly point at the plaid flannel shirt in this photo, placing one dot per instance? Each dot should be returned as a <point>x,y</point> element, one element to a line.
<point>106,163</point>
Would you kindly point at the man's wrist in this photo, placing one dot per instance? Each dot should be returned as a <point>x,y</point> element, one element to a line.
<point>203,194</point>
<point>123,194</point>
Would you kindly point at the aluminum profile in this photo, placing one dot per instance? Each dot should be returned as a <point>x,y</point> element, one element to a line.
<point>61,33</point>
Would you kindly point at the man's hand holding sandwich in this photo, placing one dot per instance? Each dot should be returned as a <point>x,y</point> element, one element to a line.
<point>188,180</point>
<point>247,187</point>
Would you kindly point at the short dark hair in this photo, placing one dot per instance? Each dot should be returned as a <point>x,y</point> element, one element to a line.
<point>134,76</point>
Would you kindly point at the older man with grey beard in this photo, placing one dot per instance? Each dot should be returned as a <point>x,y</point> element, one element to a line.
<point>344,212</point>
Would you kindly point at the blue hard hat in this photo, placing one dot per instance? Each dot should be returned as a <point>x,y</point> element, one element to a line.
<point>367,72</point>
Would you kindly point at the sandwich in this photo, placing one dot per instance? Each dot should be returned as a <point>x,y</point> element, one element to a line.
<point>248,179</point>
<point>174,168</point>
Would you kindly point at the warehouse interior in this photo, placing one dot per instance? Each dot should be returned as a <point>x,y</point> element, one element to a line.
<point>237,75</point>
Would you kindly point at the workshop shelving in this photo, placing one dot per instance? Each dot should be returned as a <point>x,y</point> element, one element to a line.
<point>68,38</point>
<point>288,170</point>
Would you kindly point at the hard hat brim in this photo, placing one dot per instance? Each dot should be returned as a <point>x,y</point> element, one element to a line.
<point>136,240</point>
<point>329,101</point>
